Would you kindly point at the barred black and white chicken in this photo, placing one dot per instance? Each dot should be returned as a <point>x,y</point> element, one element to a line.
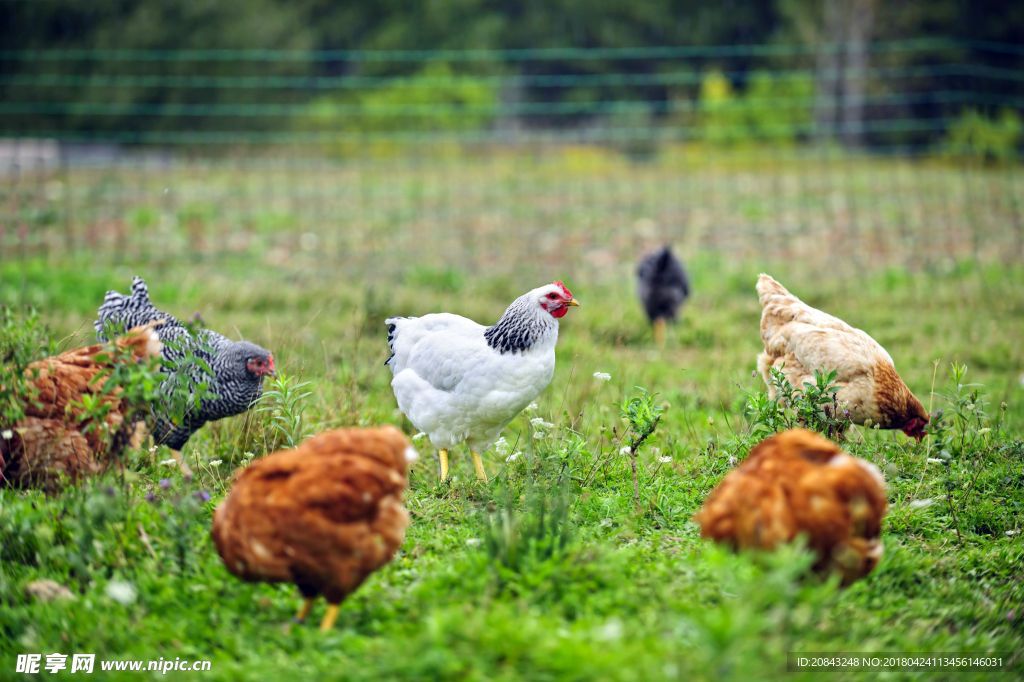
<point>238,366</point>
<point>457,380</point>
<point>662,286</point>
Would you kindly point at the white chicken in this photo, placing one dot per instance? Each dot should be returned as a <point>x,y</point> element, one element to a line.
<point>457,380</point>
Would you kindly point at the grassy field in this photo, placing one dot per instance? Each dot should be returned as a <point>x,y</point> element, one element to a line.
<point>634,593</point>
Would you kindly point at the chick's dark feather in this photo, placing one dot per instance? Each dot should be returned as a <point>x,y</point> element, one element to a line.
<point>235,388</point>
<point>663,284</point>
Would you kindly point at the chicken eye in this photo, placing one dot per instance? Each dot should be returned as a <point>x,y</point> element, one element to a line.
<point>552,296</point>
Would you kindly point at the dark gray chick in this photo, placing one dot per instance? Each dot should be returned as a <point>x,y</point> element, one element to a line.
<point>663,286</point>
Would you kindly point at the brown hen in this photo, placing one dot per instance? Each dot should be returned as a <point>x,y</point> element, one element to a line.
<point>799,339</point>
<point>324,515</point>
<point>52,441</point>
<point>798,483</point>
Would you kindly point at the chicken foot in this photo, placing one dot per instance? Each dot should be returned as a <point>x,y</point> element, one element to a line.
<point>659,332</point>
<point>332,615</point>
<point>181,462</point>
<point>304,610</point>
<point>442,455</point>
<point>478,464</point>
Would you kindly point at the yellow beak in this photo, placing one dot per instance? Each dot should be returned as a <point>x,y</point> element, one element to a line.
<point>573,302</point>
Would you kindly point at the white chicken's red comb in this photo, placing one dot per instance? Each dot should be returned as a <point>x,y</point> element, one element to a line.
<point>558,283</point>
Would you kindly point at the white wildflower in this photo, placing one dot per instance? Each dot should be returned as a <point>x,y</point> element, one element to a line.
<point>540,435</point>
<point>7,434</point>
<point>215,463</point>
<point>625,450</point>
<point>1012,532</point>
<point>665,460</point>
<point>921,504</point>
<point>539,423</point>
<point>733,460</point>
<point>602,376</point>
<point>970,406</point>
<point>418,437</point>
<point>168,462</point>
<point>982,432</point>
<point>473,542</point>
<point>248,456</point>
<point>531,407</point>
<point>514,456</point>
<point>122,592</point>
<point>876,427</point>
<point>932,460</point>
<point>610,631</point>
<point>501,446</point>
<point>152,450</point>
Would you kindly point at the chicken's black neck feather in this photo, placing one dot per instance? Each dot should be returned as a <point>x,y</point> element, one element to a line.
<point>519,328</point>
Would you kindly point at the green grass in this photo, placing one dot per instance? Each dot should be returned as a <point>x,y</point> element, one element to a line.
<point>635,594</point>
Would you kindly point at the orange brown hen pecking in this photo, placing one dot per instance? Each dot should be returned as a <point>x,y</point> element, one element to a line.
<point>798,483</point>
<point>324,515</point>
<point>54,440</point>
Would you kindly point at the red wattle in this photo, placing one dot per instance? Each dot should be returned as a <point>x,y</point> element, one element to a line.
<point>559,312</point>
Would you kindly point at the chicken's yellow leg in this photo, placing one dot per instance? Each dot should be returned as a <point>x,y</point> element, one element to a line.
<point>478,464</point>
<point>181,462</point>
<point>659,332</point>
<point>332,614</point>
<point>300,617</point>
<point>443,456</point>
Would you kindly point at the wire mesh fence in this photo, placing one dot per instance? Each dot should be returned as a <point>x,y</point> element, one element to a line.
<point>839,157</point>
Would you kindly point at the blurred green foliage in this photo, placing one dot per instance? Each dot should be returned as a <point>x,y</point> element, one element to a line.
<point>983,138</point>
<point>430,100</point>
<point>771,110</point>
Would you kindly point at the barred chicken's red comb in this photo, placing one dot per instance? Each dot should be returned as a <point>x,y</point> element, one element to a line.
<point>558,283</point>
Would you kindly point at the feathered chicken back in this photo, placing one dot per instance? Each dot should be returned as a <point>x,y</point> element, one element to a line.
<point>798,483</point>
<point>62,380</point>
<point>323,516</point>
